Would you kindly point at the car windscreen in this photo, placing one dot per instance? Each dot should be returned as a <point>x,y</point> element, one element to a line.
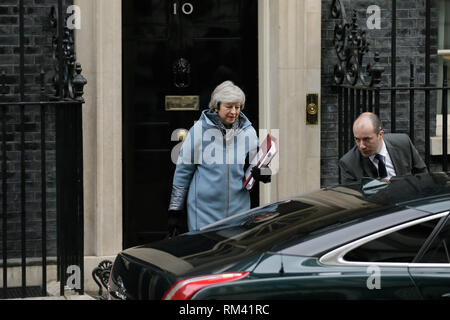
<point>325,209</point>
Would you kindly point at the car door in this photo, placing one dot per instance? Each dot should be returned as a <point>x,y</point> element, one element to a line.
<point>301,278</point>
<point>385,258</point>
<point>431,269</point>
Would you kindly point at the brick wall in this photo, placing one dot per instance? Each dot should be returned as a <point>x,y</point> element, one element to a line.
<point>38,56</point>
<point>410,48</point>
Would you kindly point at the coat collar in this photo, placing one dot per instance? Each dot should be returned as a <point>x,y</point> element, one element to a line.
<point>212,119</point>
<point>393,155</point>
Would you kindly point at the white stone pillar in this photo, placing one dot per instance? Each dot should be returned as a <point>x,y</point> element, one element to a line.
<point>289,55</point>
<point>99,50</point>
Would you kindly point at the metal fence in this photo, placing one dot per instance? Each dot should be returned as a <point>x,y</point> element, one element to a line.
<point>65,99</point>
<point>354,100</point>
<point>359,87</point>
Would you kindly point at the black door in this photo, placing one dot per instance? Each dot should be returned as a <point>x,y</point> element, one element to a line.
<point>176,51</point>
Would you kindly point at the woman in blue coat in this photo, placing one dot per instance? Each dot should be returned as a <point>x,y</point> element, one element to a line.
<point>210,166</point>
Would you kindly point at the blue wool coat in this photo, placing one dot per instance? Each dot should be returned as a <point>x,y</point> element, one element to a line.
<point>211,166</point>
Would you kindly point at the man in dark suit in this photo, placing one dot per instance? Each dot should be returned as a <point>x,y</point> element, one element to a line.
<point>378,155</point>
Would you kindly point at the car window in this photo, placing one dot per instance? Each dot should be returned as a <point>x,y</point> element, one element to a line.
<point>253,217</point>
<point>439,250</point>
<point>310,212</point>
<point>399,246</point>
<point>431,204</point>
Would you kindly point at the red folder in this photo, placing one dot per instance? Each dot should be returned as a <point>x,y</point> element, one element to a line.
<point>267,150</point>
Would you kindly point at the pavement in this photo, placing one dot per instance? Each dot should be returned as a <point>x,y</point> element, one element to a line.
<point>71,297</point>
<point>53,290</point>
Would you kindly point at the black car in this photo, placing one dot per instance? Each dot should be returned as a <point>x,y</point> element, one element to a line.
<point>369,240</point>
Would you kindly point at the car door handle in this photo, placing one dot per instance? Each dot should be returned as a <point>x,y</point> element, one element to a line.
<point>446,295</point>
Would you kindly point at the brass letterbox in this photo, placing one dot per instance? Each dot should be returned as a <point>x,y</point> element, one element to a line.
<point>182,103</point>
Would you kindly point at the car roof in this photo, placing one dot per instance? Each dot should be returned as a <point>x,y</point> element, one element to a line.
<point>314,222</point>
<point>410,190</point>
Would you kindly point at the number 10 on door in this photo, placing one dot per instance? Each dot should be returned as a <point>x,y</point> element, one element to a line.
<point>187,8</point>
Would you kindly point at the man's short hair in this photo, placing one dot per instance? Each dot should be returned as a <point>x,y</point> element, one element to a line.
<point>376,122</point>
<point>374,119</point>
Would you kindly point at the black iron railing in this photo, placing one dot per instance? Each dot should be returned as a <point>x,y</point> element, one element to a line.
<point>354,100</point>
<point>360,89</point>
<point>65,101</point>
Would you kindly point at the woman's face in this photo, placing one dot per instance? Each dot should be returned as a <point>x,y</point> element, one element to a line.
<point>229,112</point>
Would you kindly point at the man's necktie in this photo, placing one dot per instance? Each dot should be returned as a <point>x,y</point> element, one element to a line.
<point>382,172</point>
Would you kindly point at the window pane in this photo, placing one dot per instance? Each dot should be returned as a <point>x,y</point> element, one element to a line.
<point>439,249</point>
<point>440,204</point>
<point>399,246</point>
